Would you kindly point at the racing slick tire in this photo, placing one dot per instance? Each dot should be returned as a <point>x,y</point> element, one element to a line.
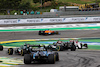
<point>1,47</point>
<point>46,34</point>
<point>58,48</point>
<point>56,32</point>
<point>86,45</point>
<point>39,32</point>
<point>61,48</point>
<point>10,51</point>
<point>81,46</point>
<point>51,59</point>
<point>27,59</point>
<point>23,52</point>
<point>16,51</point>
<point>57,56</point>
<point>73,48</point>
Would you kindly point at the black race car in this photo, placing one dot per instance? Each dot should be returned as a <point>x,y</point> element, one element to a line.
<point>60,46</point>
<point>24,49</point>
<point>41,54</point>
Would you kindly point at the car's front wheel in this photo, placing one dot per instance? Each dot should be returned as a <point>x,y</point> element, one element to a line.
<point>86,45</point>
<point>56,32</point>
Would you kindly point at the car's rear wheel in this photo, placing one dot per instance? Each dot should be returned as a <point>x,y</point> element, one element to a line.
<point>39,32</point>
<point>27,59</point>
<point>51,58</point>
<point>1,47</point>
<point>57,56</point>
<point>73,48</point>
<point>10,51</point>
<point>58,48</point>
<point>23,52</point>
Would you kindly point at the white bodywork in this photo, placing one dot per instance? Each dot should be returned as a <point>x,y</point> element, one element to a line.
<point>78,44</point>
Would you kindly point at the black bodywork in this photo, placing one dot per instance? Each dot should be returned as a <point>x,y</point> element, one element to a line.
<point>63,46</point>
<point>24,49</point>
<point>41,54</point>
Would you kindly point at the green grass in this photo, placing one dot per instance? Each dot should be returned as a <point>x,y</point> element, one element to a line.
<point>91,40</point>
<point>18,44</point>
<point>97,27</point>
<point>97,47</point>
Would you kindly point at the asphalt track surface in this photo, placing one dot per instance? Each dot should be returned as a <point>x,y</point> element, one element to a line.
<point>78,58</point>
<point>5,36</point>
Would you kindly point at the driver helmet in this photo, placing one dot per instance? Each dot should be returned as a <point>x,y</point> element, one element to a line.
<point>28,45</point>
<point>59,41</point>
<point>25,44</point>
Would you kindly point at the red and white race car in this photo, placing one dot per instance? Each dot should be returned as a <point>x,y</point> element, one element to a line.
<point>79,45</point>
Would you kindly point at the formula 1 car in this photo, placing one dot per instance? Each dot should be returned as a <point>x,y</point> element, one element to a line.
<point>47,32</point>
<point>1,47</point>
<point>60,46</point>
<point>79,45</point>
<point>24,49</point>
<point>41,54</point>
